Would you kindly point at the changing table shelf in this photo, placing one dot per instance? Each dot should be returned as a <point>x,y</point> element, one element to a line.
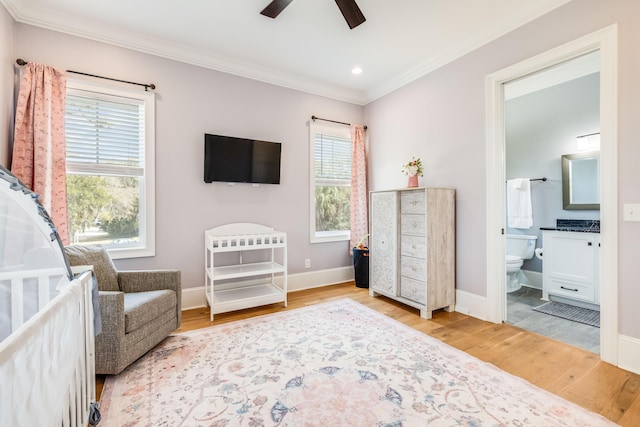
<point>246,270</point>
<point>264,282</point>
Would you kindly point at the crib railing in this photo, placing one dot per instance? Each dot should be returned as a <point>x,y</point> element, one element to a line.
<point>28,298</point>
<point>47,368</point>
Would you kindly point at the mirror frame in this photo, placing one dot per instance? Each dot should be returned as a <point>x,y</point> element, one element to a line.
<point>566,180</point>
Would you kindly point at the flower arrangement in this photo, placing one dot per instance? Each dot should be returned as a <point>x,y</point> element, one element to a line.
<point>414,167</point>
<point>360,245</point>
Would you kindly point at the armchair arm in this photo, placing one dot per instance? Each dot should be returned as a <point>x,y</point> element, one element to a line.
<point>152,280</point>
<point>149,280</point>
<point>110,341</point>
<point>112,313</point>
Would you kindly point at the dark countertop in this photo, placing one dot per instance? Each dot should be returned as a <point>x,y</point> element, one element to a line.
<point>574,229</point>
<point>576,225</point>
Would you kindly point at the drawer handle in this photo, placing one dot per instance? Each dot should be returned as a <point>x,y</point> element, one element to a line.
<point>415,224</point>
<point>414,246</point>
<point>568,289</point>
<point>414,269</point>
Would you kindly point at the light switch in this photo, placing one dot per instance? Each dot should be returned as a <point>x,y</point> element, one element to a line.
<point>631,211</point>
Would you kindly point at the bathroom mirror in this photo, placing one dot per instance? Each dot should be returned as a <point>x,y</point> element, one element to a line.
<point>581,181</point>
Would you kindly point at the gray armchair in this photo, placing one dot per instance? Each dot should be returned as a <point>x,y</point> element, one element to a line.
<point>138,308</point>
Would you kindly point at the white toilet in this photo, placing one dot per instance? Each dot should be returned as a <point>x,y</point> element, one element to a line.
<point>519,247</point>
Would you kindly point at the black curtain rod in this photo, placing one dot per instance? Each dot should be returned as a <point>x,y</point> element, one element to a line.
<point>589,134</point>
<point>314,118</point>
<point>151,86</point>
<point>537,179</point>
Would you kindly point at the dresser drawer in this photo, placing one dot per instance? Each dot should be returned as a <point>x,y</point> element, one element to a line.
<point>413,290</point>
<point>413,224</point>
<point>413,202</point>
<point>413,268</point>
<point>413,246</point>
<point>567,289</point>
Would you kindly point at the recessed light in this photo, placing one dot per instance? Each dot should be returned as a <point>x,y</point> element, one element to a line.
<point>356,70</point>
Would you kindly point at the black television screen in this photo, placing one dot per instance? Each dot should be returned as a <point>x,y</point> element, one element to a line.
<point>229,159</point>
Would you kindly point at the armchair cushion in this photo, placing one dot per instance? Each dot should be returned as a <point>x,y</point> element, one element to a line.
<point>103,267</point>
<point>141,308</point>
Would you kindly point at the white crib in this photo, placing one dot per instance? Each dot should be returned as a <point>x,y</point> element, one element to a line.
<point>47,363</point>
<point>47,370</point>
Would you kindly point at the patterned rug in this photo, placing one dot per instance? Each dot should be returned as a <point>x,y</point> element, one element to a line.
<point>332,364</point>
<point>570,312</point>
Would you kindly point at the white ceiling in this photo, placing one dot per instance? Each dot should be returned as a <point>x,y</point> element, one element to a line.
<point>309,47</point>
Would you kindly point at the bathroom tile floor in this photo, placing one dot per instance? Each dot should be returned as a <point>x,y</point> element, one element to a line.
<point>520,313</point>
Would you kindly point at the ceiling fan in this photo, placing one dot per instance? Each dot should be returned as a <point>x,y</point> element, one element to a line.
<point>350,10</point>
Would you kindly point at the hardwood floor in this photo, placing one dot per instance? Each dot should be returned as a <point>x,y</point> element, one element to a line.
<point>574,374</point>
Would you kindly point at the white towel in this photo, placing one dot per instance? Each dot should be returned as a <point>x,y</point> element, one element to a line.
<point>519,213</point>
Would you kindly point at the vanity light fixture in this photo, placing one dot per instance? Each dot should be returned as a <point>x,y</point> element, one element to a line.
<point>356,70</point>
<point>589,142</point>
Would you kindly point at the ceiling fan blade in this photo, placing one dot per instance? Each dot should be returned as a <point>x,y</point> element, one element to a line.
<point>351,12</point>
<point>274,8</point>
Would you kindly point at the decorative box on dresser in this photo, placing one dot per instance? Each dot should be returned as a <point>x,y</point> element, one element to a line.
<point>412,247</point>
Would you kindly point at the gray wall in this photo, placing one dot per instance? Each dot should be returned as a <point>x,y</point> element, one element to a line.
<point>540,128</point>
<point>192,101</point>
<point>441,118</point>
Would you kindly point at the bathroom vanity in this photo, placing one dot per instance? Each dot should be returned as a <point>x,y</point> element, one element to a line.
<point>571,263</point>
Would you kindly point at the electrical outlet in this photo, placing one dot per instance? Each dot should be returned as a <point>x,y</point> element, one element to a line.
<point>307,263</point>
<point>631,211</point>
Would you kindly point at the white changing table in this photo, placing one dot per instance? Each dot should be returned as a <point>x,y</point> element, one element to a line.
<point>265,281</point>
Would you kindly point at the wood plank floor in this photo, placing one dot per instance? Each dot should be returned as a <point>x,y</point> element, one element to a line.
<point>574,374</point>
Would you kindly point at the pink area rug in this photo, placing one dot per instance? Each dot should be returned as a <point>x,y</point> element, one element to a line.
<point>332,364</point>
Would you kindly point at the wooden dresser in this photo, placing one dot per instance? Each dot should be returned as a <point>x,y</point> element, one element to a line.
<point>412,247</point>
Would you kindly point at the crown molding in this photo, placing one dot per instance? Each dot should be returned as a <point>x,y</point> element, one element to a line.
<point>56,21</point>
<point>426,67</point>
<point>573,69</point>
<point>164,49</point>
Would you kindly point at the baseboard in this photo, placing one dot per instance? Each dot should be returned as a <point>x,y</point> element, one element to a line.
<point>629,353</point>
<point>471,304</point>
<point>533,279</point>
<point>194,297</point>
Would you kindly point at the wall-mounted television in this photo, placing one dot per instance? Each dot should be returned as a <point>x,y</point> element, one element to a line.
<point>230,159</point>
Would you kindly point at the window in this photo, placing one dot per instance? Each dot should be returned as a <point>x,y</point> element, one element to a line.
<point>110,168</point>
<point>330,183</point>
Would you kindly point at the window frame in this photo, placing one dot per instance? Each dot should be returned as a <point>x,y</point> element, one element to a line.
<point>146,247</point>
<point>339,131</point>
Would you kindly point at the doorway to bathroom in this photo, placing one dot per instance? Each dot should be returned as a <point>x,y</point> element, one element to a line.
<point>547,115</point>
<point>604,42</point>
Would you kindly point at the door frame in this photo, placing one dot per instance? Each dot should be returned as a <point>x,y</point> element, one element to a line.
<point>606,41</point>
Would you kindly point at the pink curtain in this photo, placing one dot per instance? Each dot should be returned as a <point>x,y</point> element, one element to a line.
<point>359,196</point>
<point>39,140</point>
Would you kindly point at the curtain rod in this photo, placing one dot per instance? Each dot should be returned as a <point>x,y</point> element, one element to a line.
<point>151,86</point>
<point>589,134</point>
<point>314,118</point>
<point>537,179</point>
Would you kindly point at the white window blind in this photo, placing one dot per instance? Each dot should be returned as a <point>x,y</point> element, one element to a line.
<point>330,183</point>
<point>332,159</point>
<point>104,135</point>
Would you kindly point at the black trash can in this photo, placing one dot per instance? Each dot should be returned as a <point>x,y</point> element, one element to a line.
<point>361,267</point>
